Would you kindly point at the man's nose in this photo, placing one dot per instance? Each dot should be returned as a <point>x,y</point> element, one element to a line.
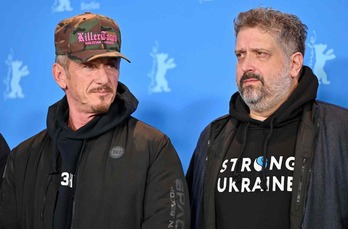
<point>248,64</point>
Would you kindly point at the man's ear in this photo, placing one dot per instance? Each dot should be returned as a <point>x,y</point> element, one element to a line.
<point>59,75</point>
<point>296,64</point>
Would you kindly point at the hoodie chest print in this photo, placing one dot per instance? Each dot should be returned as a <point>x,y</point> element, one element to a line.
<point>246,174</point>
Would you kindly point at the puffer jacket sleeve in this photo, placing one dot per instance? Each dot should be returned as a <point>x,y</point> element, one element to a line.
<point>195,178</point>
<point>4,152</point>
<point>166,202</point>
<point>8,212</point>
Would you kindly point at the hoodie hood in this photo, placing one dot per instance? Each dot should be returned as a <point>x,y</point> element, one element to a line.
<point>305,92</point>
<point>289,111</point>
<point>123,106</point>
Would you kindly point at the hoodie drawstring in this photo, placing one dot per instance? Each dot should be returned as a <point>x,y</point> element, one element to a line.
<point>236,175</point>
<point>264,156</point>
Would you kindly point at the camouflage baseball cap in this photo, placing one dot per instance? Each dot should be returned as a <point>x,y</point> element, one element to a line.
<point>87,37</point>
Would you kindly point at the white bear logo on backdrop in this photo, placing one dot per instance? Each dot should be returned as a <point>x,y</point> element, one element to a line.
<point>321,55</point>
<point>61,6</point>
<point>16,71</point>
<point>160,65</point>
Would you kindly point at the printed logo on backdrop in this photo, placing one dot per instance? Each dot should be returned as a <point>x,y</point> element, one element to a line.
<point>89,5</point>
<point>202,1</point>
<point>61,6</point>
<point>161,63</point>
<point>319,55</point>
<point>16,70</point>
<point>65,5</point>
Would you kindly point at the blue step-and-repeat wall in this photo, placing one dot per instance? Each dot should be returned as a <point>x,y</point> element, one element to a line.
<point>182,53</point>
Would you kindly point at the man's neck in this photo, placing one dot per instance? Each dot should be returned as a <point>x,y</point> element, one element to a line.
<point>76,121</point>
<point>262,116</point>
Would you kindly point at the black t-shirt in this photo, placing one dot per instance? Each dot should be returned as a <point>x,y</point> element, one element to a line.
<point>69,150</point>
<point>240,200</point>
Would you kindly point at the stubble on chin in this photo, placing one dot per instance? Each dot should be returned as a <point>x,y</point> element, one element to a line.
<point>103,106</point>
<point>251,94</point>
<point>260,97</point>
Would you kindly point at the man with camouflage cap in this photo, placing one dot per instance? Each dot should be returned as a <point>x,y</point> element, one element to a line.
<point>95,166</point>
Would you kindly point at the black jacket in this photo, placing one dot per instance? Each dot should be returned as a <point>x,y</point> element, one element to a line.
<point>4,152</point>
<point>320,177</point>
<point>129,176</point>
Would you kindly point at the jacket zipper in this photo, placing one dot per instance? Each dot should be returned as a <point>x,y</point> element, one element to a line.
<point>300,186</point>
<point>207,160</point>
<point>44,199</point>
<point>208,149</point>
<point>76,180</point>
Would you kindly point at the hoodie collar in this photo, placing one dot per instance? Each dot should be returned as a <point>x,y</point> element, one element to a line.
<point>123,106</point>
<point>288,111</point>
<point>305,92</point>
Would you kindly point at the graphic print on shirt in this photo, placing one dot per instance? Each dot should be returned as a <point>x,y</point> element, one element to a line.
<point>67,179</point>
<point>278,175</point>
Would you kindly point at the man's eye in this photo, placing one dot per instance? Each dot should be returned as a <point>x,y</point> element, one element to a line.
<point>112,65</point>
<point>261,54</point>
<point>89,66</point>
<point>239,55</point>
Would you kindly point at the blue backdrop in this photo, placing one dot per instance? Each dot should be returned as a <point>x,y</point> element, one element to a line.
<point>182,53</point>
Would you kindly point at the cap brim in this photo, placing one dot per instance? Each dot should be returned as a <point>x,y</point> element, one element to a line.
<point>108,54</point>
<point>88,55</point>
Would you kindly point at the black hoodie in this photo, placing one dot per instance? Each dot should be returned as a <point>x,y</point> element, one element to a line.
<point>319,185</point>
<point>67,145</point>
<point>123,106</point>
<point>256,174</point>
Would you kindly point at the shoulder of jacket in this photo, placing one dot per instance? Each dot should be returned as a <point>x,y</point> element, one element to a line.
<point>329,111</point>
<point>225,121</point>
<point>222,124</point>
<point>331,107</point>
<point>33,142</point>
<point>141,127</point>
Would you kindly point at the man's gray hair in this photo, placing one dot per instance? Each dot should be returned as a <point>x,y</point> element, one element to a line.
<point>287,29</point>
